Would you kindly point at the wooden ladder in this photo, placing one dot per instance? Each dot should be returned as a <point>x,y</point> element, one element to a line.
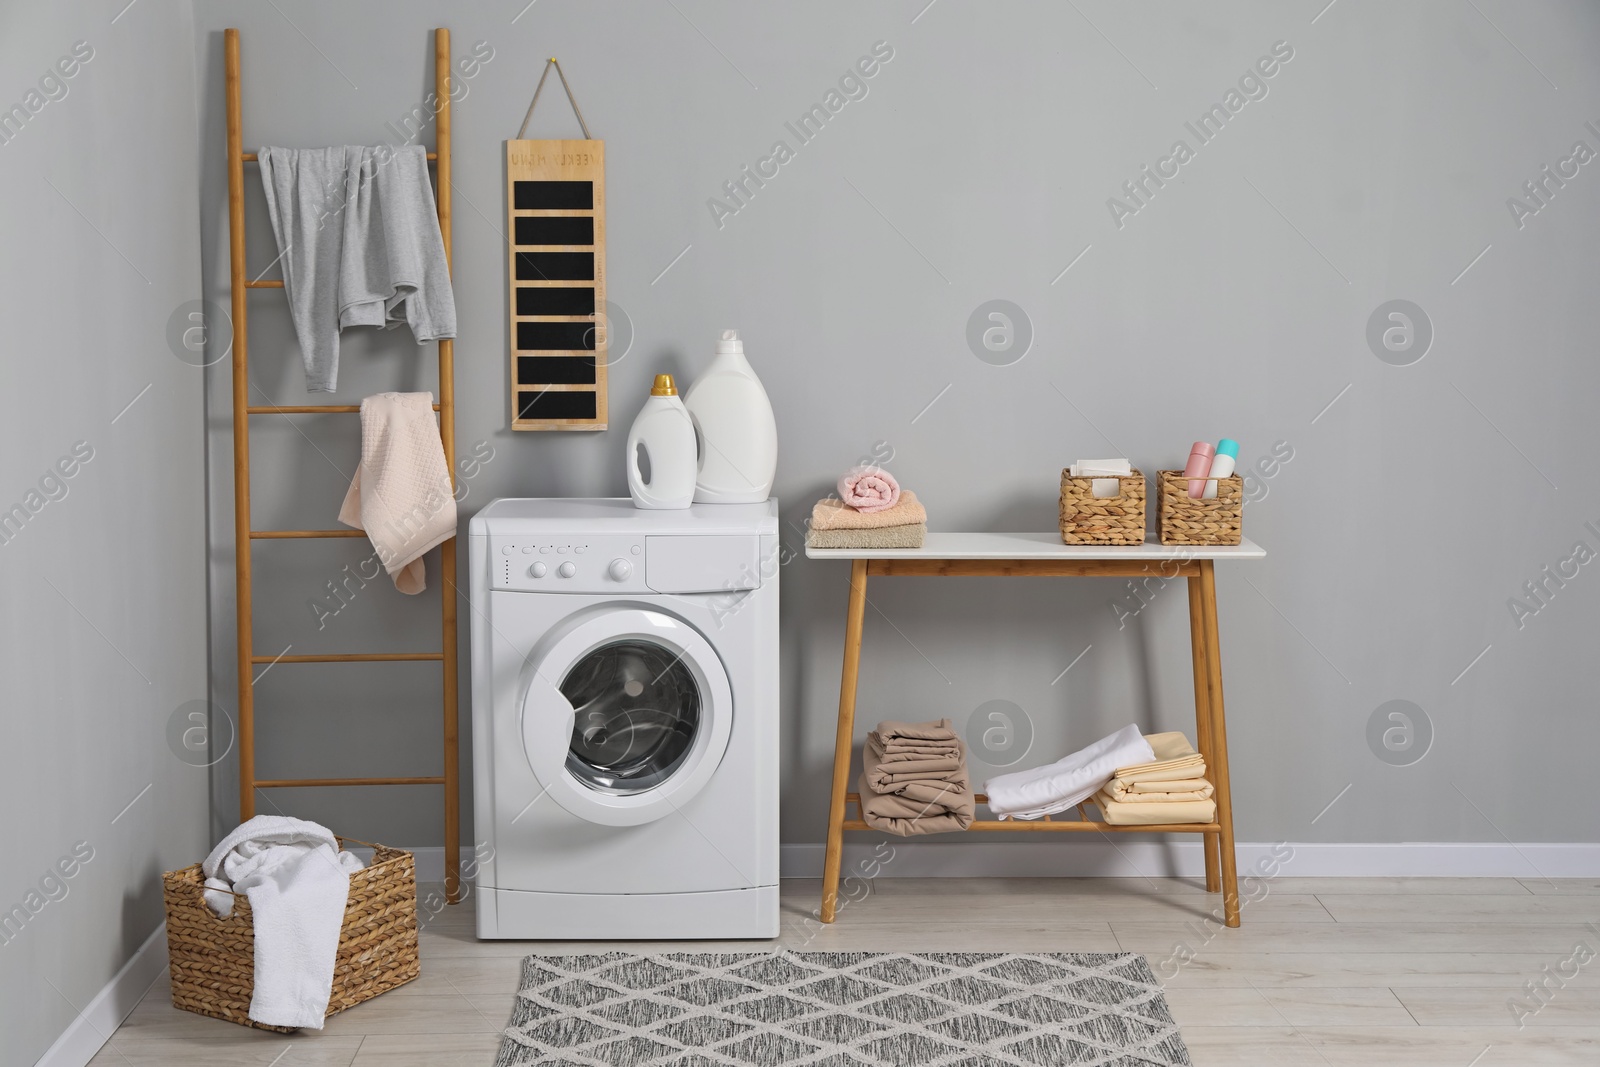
<point>244,535</point>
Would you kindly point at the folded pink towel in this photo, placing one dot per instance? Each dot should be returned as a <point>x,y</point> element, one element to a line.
<point>869,489</point>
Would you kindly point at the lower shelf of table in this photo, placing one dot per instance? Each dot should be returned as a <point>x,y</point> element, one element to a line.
<point>1050,823</point>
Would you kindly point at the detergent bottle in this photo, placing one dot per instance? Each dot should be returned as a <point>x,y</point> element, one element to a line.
<point>736,435</point>
<point>661,462</point>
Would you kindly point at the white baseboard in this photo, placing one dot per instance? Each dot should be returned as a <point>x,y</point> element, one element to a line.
<point>1128,858</point>
<point>1100,858</point>
<point>89,1031</point>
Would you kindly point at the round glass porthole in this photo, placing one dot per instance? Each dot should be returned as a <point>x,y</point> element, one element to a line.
<point>636,711</point>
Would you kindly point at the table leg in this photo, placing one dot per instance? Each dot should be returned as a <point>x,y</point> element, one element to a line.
<point>844,740</point>
<point>1202,720</point>
<point>1219,743</point>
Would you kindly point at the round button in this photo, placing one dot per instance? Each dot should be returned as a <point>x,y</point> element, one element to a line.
<point>508,549</point>
<point>538,570</point>
<point>567,570</point>
<point>620,569</point>
<point>636,550</point>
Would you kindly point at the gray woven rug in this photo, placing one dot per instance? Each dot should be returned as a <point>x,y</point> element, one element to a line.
<point>840,1009</point>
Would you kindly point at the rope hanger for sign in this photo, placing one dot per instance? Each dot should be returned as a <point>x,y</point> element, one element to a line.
<point>556,221</point>
<point>552,62</point>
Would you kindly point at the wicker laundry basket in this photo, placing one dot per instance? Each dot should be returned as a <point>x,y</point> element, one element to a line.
<point>1186,520</point>
<point>1090,520</point>
<point>213,959</point>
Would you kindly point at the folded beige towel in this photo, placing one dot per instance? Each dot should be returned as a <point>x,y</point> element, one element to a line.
<point>910,535</point>
<point>1124,793</point>
<point>1120,814</point>
<point>919,808</point>
<point>831,513</point>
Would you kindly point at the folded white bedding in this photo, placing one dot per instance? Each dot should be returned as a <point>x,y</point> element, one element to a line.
<point>1062,785</point>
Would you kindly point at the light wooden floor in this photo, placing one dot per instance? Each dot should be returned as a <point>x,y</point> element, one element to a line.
<point>1413,972</point>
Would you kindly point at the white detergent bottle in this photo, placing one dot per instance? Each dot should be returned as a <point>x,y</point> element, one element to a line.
<point>661,464</point>
<point>737,435</point>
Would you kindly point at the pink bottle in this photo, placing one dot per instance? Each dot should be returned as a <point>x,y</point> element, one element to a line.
<point>1199,466</point>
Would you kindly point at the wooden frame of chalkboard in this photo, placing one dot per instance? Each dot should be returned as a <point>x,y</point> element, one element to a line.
<point>556,229</point>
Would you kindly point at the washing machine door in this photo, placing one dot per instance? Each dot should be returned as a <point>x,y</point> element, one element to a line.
<point>626,714</point>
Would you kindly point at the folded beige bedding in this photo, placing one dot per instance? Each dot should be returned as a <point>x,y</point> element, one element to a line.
<point>1175,760</point>
<point>1175,785</point>
<point>1120,814</point>
<point>918,808</point>
<point>831,513</point>
<point>914,779</point>
<point>896,733</point>
<point>889,772</point>
<point>1139,793</point>
<point>909,535</point>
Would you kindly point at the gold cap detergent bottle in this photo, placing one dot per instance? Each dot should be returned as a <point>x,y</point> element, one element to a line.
<point>661,464</point>
<point>737,437</point>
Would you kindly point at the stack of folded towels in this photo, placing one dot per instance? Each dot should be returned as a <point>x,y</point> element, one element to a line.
<point>871,511</point>
<point>914,779</point>
<point>1172,788</point>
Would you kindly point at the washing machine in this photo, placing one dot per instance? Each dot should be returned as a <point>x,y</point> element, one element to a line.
<point>625,719</point>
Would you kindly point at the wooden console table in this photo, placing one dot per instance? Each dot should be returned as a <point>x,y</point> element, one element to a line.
<point>1042,555</point>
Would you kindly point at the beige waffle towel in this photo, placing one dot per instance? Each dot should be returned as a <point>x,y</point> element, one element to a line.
<point>401,495</point>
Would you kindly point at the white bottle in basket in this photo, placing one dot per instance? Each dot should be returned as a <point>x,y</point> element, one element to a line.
<point>738,437</point>
<point>665,436</point>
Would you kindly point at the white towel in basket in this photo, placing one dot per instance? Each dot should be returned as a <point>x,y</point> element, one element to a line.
<point>297,882</point>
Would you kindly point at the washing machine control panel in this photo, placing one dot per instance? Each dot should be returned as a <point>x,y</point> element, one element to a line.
<point>599,564</point>
<point>630,563</point>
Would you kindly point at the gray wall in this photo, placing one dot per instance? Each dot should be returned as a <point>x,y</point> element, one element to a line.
<point>979,166</point>
<point>102,640</point>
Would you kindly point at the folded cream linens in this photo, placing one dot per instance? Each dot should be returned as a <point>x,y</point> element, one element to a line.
<point>1194,789</point>
<point>1174,785</point>
<point>1119,814</point>
<point>831,513</point>
<point>1175,758</point>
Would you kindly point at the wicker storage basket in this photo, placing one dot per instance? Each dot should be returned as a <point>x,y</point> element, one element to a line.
<point>1188,521</point>
<point>1088,520</point>
<point>213,959</point>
